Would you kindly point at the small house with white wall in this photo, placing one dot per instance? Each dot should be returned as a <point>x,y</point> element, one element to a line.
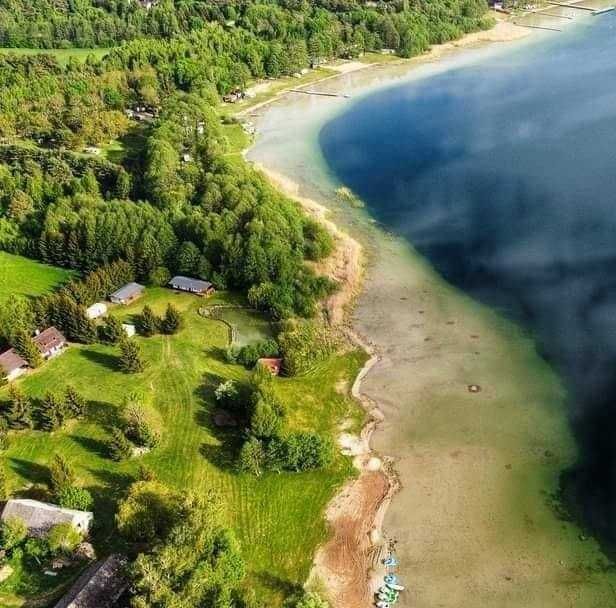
<point>50,342</point>
<point>129,329</point>
<point>12,364</point>
<point>40,517</point>
<point>96,310</point>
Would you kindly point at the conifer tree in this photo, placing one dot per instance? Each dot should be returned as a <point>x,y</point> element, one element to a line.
<point>148,323</point>
<point>19,412</point>
<point>52,412</point>
<point>120,448</point>
<point>172,320</point>
<point>74,402</point>
<point>131,358</point>
<point>27,348</point>
<point>111,331</point>
<point>61,474</point>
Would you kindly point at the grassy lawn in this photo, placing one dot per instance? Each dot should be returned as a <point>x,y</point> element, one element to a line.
<point>62,55</point>
<point>277,517</point>
<point>23,276</point>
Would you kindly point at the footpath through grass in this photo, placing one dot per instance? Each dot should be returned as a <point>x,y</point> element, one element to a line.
<point>22,276</point>
<point>278,517</point>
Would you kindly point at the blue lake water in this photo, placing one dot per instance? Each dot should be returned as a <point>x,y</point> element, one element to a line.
<point>503,174</point>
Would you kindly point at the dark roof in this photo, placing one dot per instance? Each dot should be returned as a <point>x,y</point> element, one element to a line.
<point>99,586</point>
<point>189,284</point>
<point>49,338</point>
<point>10,361</point>
<point>128,291</point>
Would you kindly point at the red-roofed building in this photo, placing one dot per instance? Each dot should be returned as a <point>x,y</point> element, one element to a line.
<point>274,364</point>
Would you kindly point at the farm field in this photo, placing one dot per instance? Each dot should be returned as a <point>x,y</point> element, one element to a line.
<point>22,276</point>
<point>277,517</point>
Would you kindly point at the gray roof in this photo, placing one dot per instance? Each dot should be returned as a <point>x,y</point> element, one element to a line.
<point>189,284</point>
<point>40,516</point>
<point>99,586</point>
<point>10,360</point>
<point>128,291</point>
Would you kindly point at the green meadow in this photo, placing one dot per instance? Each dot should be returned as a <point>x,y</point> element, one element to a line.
<point>277,517</point>
<point>22,276</point>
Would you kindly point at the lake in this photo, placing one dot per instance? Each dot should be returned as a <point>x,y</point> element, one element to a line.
<point>502,173</point>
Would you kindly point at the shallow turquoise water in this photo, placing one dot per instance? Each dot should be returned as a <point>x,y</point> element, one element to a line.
<point>503,174</point>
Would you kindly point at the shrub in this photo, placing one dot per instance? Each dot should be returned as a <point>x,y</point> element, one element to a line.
<point>63,539</point>
<point>13,532</point>
<point>249,355</point>
<point>303,344</point>
<point>228,395</point>
<point>252,457</point>
<point>307,451</point>
<point>265,421</point>
<point>36,550</point>
<point>75,498</point>
<point>148,512</point>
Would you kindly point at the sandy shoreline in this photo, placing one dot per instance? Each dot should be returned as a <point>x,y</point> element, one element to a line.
<point>474,469</point>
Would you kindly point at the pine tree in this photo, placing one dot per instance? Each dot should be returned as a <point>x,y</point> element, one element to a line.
<point>19,412</point>
<point>131,358</point>
<point>120,448</point>
<point>61,475</point>
<point>28,349</point>
<point>172,320</point>
<point>74,402</point>
<point>52,412</point>
<point>111,331</point>
<point>148,323</point>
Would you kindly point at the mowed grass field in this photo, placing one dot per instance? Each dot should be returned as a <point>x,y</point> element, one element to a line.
<point>22,276</point>
<point>62,55</point>
<point>278,517</point>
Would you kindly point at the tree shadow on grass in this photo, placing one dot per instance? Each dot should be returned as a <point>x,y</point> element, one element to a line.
<point>103,413</point>
<point>95,446</point>
<point>230,438</point>
<point>217,353</point>
<point>287,588</point>
<point>32,471</point>
<point>103,359</point>
<point>223,456</point>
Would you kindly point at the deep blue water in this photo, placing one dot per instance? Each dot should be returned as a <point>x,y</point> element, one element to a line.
<point>503,174</point>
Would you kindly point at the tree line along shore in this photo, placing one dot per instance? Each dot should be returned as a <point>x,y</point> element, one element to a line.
<point>121,166</point>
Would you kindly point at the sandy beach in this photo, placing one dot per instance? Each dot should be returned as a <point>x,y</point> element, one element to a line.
<point>475,471</point>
